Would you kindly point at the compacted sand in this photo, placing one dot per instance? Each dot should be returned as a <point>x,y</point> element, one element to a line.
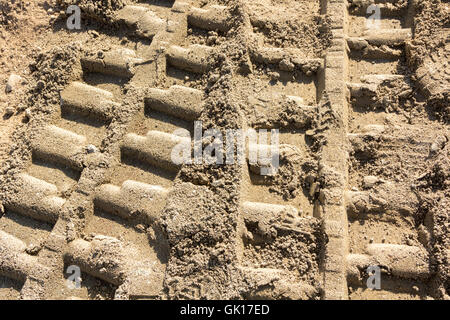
<point>87,127</point>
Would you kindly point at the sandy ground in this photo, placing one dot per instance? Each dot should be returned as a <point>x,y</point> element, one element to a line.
<point>86,132</point>
<point>23,34</point>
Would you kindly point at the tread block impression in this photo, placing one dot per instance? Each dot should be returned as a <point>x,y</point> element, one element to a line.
<point>60,146</point>
<point>36,199</point>
<point>110,260</point>
<point>400,260</point>
<point>212,18</point>
<point>15,263</point>
<point>132,200</point>
<point>144,21</point>
<point>118,62</point>
<point>155,148</point>
<point>87,100</point>
<point>193,59</point>
<point>178,101</point>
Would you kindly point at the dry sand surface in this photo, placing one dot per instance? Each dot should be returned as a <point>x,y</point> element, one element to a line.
<point>87,121</point>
